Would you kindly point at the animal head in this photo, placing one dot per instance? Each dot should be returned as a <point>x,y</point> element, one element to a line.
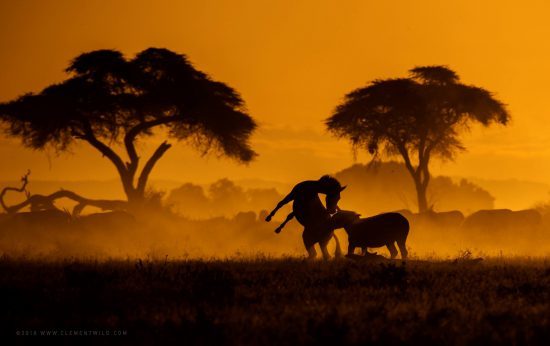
<point>344,218</point>
<point>332,188</point>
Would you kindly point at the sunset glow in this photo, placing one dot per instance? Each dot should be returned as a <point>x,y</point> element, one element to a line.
<point>293,62</point>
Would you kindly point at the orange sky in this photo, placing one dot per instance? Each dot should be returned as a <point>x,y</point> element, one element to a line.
<point>293,61</point>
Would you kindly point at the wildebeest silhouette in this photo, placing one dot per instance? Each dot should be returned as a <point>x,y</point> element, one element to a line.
<point>442,220</point>
<point>56,219</point>
<point>312,214</point>
<point>113,220</point>
<point>50,219</point>
<point>376,231</point>
<point>495,221</point>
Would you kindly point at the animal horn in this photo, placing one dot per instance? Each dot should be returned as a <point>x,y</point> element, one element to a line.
<point>343,188</point>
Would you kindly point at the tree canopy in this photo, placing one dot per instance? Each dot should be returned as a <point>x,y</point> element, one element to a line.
<point>109,99</point>
<point>417,118</point>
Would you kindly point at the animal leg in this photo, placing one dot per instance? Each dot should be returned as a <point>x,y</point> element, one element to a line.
<point>287,199</point>
<point>351,249</point>
<point>323,244</point>
<point>309,243</point>
<point>338,250</point>
<point>288,218</point>
<point>402,249</point>
<point>393,250</point>
<point>312,254</point>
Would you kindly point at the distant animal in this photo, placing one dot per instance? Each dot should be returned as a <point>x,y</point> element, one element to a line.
<point>440,220</point>
<point>498,220</point>
<point>46,219</point>
<point>452,218</point>
<point>376,231</point>
<point>105,221</point>
<point>312,214</point>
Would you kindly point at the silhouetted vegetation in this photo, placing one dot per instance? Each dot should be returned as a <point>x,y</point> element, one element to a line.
<point>386,186</point>
<point>285,301</point>
<point>417,118</point>
<point>221,198</point>
<point>112,100</point>
<point>374,188</point>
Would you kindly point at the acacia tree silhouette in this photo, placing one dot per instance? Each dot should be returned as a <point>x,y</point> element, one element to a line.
<point>417,118</point>
<point>112,100</point>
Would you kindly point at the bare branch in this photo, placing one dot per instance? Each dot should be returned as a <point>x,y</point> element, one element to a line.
<point>132,134</point>
<point>23,188</point>
<point>406,158</point>
<point>144,176</point>
<point>40,202</point>
<point>104,149</point>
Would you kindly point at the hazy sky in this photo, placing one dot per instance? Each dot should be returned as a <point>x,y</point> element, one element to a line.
<point>293,61</point>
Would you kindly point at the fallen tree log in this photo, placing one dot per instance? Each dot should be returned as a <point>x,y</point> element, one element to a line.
<point>43,202</point>
<point>47,202</point>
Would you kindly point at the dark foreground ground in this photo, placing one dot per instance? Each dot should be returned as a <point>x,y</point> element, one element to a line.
<point>277,301</point>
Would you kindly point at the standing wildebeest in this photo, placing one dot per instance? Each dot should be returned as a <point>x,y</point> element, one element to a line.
<point>312,214</point>
<point>376,231</point>
<point>43,219</point>
<point>498,221</point>
<point>442,219</point>
<point>445,221</point>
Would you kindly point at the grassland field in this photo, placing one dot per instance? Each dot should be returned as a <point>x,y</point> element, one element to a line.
<point>285,301</point>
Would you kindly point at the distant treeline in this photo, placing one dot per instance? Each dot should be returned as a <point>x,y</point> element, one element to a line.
<point>386,186</point>
<point>374,188</point>
<point>221,198</point>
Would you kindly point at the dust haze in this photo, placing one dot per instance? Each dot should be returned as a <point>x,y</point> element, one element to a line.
<point>226,219</point>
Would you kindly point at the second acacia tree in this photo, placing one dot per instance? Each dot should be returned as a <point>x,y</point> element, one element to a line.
<point>417,118</point>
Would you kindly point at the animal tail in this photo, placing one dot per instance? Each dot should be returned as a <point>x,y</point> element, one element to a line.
<point>338,250</point>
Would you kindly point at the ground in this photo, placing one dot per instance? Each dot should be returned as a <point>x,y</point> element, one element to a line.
<point>279,301</point>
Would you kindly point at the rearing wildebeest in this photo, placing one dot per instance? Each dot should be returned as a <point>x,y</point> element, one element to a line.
<point>312,214</point>
<point>376,231</point>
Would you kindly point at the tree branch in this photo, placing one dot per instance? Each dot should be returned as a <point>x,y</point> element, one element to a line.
<point>24,180</point>
<point>48,200</point>
<point>407,160</point>
<point>104,149</point>
<point>144,176</point>
<point>421,147</point>
<point>426,174</point>
<point>131,135</point>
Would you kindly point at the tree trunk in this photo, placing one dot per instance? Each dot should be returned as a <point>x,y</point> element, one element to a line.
<point>420,174</point>
<point>135,191</point>
<point>135,199</point>
<point>421,195</point>
<point>132,194</point>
